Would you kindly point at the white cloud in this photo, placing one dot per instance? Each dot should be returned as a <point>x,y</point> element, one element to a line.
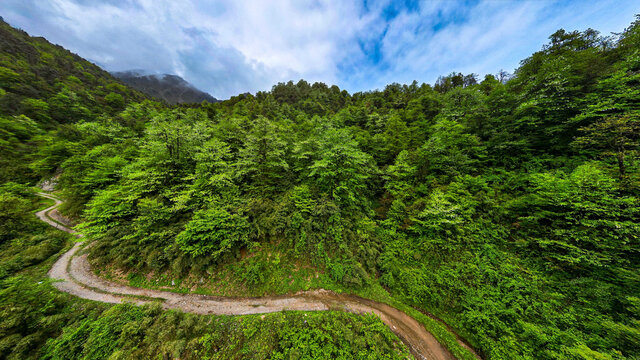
<point>242,45</point>
<point>491,35</point>
<point>227,47</point>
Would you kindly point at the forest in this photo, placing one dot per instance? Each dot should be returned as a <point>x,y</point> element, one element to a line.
<point>507,205</point>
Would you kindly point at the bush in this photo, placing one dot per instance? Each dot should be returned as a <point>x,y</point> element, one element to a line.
<point>214,231</point>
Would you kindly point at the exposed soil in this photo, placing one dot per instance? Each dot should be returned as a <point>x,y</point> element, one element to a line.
<point>53,217</point>
<point>76,278</point>
<point>57,216</point>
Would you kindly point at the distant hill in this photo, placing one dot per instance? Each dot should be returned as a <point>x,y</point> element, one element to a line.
<point>170,88</point>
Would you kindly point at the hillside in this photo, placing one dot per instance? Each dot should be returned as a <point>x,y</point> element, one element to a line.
<point>55,106</point>
<point>33,69</point>
<point>506,209</point>
<point>44,87</point>
<point>170,88</point>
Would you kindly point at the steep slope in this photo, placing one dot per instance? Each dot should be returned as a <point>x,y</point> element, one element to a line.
<point>170,88</point>
<point>44,86</point>
<point>76,277</point>
<point>50,84</point>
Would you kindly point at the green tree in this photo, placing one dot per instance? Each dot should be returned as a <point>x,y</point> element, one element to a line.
<point>342,170</point>
<point>214,231</point>
<point>616,136</point>
<point>580,221</point>
<point>450,150</point>
<point>263,158</point>
<point>14,214</point>
<point>115,101</point>
<point>66,107</point>
<point>36,109</point>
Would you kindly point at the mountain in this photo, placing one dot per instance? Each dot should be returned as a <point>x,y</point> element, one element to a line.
<point>44,87</point>
<point>52,85</point>
<point>170,88</point>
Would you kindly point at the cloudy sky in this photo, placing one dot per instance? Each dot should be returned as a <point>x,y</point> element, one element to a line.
<point>228,47</point>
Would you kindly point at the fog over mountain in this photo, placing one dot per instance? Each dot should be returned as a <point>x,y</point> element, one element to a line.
<point>171,88</point>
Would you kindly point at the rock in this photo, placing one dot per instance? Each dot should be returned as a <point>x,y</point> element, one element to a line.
<point>48,185</point>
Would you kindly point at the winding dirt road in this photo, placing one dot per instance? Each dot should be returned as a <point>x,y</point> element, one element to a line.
<point>76,278</point>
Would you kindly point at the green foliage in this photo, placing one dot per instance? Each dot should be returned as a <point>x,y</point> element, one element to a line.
<point>14,213</point>
<point>342,170</point>
<point>30,308</point>
<point>36,109</point>
<point>39,322</point>
<point>16,134</point>
<point>319,337</point>
<point>262,157</point>
<point>31,313</point>
<point>581,221</point>
<point>129,332</point>
<point>20,245</point>
<point>115,101</point>
<point>213,231</point>
<point>615,136</point>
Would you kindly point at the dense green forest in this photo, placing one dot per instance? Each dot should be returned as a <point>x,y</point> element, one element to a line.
<point>507,206</point>
<point>39,322</point>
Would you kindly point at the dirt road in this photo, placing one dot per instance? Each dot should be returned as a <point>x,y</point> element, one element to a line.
<point>76,278</point>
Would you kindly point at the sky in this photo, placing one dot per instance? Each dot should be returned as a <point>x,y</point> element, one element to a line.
<point>228,47</point>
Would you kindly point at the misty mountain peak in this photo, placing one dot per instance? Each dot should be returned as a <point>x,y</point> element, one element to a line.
<point>168,87</point>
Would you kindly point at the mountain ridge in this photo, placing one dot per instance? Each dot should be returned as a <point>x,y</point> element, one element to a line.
<point>168,87</point>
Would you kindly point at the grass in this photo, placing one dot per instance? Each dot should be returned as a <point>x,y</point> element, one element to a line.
<point>265,270</point>
<point>268,269</point>
<point>76,320</point>
<point>41,203</point>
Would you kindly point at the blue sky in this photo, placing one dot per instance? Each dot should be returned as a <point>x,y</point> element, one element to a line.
<point>229,47</point>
